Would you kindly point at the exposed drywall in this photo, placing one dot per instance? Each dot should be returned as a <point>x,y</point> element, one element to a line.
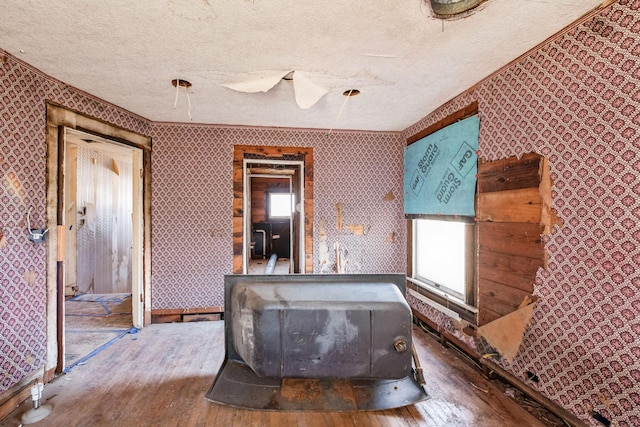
<point>505,334</point>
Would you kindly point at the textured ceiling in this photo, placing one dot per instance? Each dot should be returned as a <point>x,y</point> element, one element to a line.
<point>404,61</point>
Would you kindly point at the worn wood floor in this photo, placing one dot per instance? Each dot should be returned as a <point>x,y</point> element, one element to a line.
<point>159,376</point>
<point>93,320</point>
<point>258,266</point>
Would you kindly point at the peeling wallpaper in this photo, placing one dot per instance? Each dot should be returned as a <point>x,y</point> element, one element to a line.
<point>577,102</point>
<point>192,191</point>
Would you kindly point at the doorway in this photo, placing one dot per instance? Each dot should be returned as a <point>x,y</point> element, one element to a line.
<point>62,122</point>
<point>294,164</point>
<point>274,239</point>
<point>102,202</point>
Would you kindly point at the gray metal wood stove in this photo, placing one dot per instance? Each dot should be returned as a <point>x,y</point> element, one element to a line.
<point>317,342</point>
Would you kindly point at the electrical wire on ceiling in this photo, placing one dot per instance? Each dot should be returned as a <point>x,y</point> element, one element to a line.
<point>348,94</point>
<point>186,85</point>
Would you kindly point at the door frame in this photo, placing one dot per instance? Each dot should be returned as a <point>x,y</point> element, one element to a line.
<point>59,117</point>
<point>246,235</point>
<point>257,153</point>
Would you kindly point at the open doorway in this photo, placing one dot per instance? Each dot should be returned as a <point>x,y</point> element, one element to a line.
<point>102,203</point>
<point>272,171</point>
<point>60,121</point>
<point>273,214</point>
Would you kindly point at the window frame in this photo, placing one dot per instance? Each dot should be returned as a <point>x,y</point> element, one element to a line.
<point>280,218</point>
<point>467,296</point>
<point>435,297</point>
<point>465,307</point>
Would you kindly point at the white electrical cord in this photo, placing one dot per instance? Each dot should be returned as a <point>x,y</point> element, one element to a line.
<point>29,224</point>
<point>340,112</point>
<point>186,89</point>
<point>175,103</point>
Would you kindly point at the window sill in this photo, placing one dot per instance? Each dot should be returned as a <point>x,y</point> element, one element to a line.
<point>442,301</point>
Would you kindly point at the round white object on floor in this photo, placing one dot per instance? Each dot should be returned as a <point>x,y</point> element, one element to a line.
<point>36,414</point>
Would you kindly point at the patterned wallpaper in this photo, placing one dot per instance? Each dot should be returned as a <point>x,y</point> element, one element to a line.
<point>577,101</point>
<point>23,91</point>
<point>191,204</point>
<point>192,190</point>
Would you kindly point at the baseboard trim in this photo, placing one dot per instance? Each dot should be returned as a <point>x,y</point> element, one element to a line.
<point>186,314</point>
<point>489,368</point>
<point>49,375</point>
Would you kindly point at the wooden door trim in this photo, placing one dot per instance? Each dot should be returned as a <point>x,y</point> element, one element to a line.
<point>59,117</point>
<point>273,153</point>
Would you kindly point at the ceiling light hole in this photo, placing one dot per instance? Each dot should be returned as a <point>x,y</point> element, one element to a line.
<point>351,92</point>
<point>454,9</point>
<point>181,83</point>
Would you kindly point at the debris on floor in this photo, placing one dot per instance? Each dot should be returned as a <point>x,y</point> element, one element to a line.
<point>531,406</point>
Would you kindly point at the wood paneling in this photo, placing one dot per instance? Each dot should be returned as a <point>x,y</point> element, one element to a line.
<point>512,207</point>
<point>500,298</point>
<point>521,205</point>
<point>520,239</point>
<point>486,315</point>
<point>509,174</point>
<point>511,270</point>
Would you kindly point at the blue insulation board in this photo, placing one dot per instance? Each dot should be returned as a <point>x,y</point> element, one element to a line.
<point>440,171</point>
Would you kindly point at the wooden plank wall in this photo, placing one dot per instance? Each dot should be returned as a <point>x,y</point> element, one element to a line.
<point>513,210</point>
<point>510,215</point>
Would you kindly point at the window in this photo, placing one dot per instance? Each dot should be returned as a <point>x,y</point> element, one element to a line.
<point>443,258</point>
<point>281,205</point>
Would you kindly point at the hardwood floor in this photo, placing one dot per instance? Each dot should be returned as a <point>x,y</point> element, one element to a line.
<point>93,320</point>
<point>159,376</point>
